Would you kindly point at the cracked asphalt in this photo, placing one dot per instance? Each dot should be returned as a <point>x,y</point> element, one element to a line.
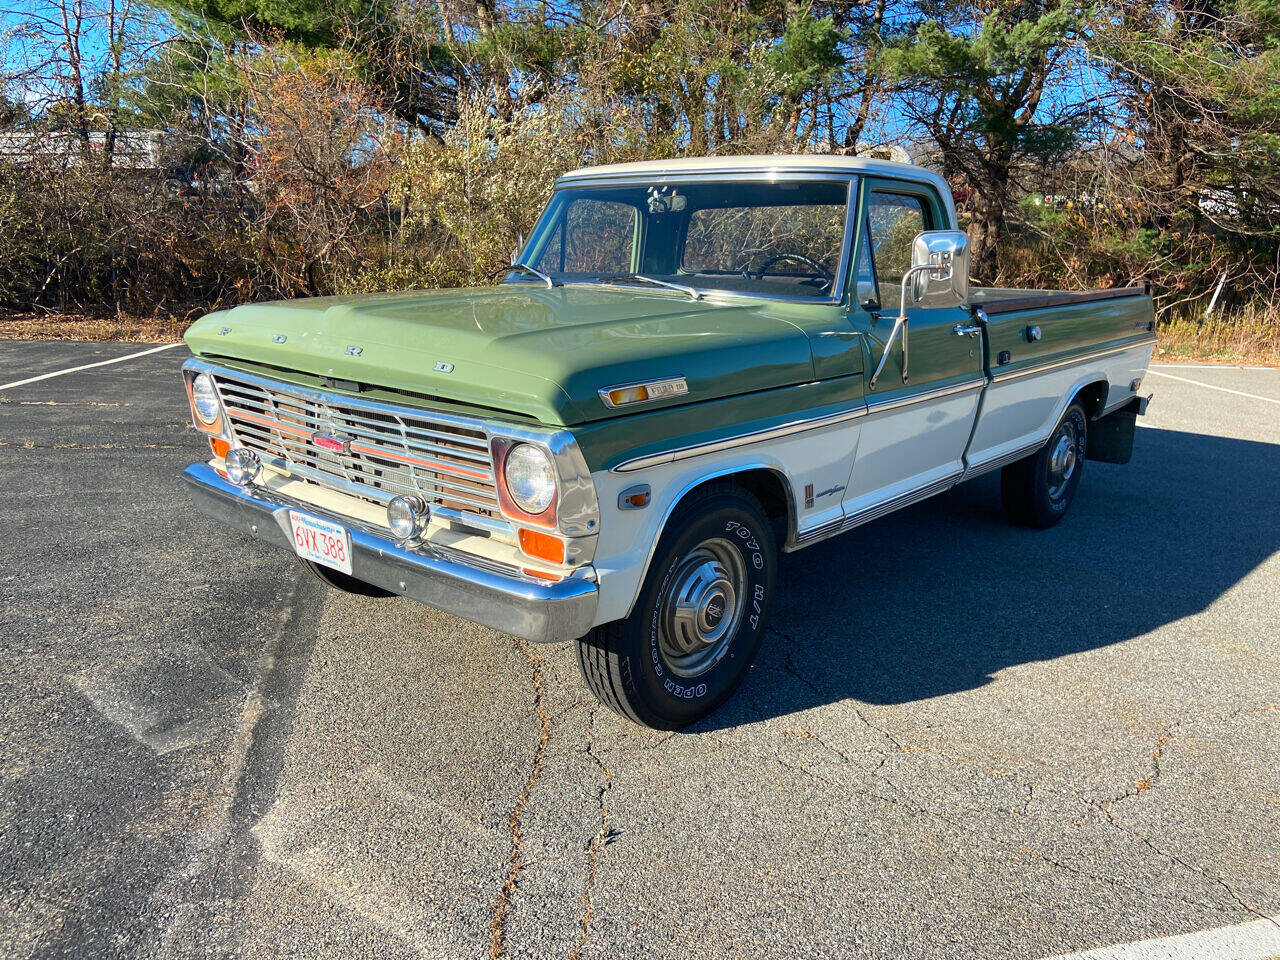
<point>962,738</point>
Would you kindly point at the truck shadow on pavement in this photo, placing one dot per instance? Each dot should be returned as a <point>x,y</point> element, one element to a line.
<point>937,598</point>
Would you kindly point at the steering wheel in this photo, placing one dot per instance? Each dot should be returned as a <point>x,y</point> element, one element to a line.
<point>827,275</point>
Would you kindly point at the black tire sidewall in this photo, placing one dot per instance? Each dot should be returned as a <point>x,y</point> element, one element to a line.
<point>678,700</point>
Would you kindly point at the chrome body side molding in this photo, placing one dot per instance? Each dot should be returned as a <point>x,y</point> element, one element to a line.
<point>880,406</point>
<point>875,511</point>
<point>1069,361</point>
<point>790,429</point>
<point>995,463</point>
<point>739,440</point>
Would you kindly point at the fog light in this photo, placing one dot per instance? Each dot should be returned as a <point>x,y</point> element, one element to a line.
<point>243,466</point>
<point>407,517</point>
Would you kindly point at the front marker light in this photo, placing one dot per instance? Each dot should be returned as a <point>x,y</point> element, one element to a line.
<point>407,517</point>
<point>204,398</point>
<point>639,392</point>
<point>530,477</point>
<point>543,546</point>
<point>243,466</point>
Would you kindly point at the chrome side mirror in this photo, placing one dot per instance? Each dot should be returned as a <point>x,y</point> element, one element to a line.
<point>938,277</point>
<point>943,280</point>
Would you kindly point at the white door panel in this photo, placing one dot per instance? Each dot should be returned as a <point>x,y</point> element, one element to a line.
<point>910,446</point>
<point>1018,412</point>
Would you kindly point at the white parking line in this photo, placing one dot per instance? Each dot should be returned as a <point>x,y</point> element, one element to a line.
<point>1211,386</point>
<point>1256,940</point>
<point>88,366</point>
<point>1210,366</point>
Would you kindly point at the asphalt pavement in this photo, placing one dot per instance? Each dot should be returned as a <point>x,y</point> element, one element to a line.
<point>962,738</point>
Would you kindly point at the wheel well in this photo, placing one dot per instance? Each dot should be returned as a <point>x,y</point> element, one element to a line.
<point>767,486</point>
<point>1092,397</point>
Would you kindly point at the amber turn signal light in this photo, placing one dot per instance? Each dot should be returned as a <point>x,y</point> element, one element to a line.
<point>543,575</point>
<point>542,545</point>
<point>219,447</point>
<point>637,392</point>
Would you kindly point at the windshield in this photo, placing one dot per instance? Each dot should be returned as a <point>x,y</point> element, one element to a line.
<point>763,238</point>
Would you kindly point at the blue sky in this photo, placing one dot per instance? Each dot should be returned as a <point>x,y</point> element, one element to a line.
<point>21,48</point>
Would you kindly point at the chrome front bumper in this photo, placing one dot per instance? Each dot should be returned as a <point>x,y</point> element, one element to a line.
<point>540,612</point>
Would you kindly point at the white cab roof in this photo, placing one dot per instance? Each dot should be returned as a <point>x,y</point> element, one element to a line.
<point>766,164</point>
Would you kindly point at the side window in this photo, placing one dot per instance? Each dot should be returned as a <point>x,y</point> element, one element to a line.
<point>596,236</point>
<point>866,276</point>
<point>894,220</point>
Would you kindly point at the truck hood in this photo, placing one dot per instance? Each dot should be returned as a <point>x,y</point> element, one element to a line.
<point>528,350</point>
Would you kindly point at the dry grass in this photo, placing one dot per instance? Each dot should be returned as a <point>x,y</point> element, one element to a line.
<point>65,326</point>
<point>1249,336</point>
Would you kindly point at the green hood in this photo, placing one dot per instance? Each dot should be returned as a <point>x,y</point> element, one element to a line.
<point>525,349</point>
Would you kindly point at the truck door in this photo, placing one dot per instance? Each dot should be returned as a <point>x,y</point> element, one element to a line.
<point>917,426</point>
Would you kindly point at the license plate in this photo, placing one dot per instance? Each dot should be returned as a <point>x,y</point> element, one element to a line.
<point>326,543</point>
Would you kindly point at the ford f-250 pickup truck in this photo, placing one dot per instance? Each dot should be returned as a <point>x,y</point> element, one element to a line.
<point>690,366</point>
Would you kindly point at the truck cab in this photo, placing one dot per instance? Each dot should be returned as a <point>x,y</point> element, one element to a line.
<point>691,366</point>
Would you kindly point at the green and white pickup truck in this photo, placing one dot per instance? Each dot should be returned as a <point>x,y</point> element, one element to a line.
<point>691,365</point>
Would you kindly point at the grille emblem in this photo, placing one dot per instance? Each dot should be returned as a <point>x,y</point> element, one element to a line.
<point>354,351</point>
<point>443,366</point>
<point>326,442</point>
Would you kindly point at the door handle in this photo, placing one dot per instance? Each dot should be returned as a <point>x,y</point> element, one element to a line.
<point>960,330</point>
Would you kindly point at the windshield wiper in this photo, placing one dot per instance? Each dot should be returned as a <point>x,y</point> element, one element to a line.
<point>633,277</point>
<point>525,268</point>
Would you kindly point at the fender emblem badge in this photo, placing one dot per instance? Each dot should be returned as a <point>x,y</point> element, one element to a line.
<point>279,338</point>
<point>443,366</point>
<point>354,351</point>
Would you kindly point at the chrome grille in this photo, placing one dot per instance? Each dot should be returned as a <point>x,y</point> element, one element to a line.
<point>386,452</point>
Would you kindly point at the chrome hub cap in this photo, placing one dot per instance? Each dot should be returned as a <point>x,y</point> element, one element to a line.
<point>702,608</point>
<point>1062,461</point>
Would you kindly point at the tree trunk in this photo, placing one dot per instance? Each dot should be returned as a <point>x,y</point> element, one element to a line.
<point>991,194</point>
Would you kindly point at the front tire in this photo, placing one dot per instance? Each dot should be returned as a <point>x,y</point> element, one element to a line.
<point>1038,490</point>
<point>700,617</point>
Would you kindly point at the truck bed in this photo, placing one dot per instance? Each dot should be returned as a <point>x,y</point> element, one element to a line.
<point>994,300</point>
<point>1029,330</point>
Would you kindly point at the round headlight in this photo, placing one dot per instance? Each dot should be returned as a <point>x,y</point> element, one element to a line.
<point>531,480</point>
<point>205,398</point>
<point>243,466</point>
<point>406,516</point>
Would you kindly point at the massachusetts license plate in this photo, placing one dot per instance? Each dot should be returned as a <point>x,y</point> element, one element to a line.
<point>326,543</point>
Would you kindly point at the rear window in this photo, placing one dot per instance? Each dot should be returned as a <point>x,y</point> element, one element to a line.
<point>791,238</point>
